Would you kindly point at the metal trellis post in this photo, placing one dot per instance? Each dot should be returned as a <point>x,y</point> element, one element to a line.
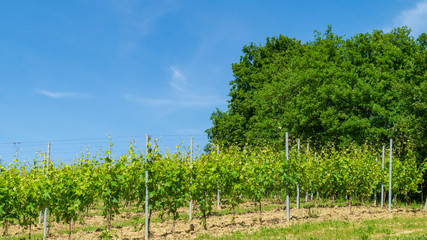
<point>287,188</point>
<point>390,175</point>
<point>146,187</point>
<point>382,179</point>
<point>191,162</point>
<point>45,209</point>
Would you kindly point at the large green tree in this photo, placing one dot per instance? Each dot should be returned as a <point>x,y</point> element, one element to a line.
<point>367,88</point>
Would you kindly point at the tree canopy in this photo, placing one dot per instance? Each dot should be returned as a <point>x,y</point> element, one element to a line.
<point>366,88</point>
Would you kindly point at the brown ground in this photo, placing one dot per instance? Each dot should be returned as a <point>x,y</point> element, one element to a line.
<point>221,225</point>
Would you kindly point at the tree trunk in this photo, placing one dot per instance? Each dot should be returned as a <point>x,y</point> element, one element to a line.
<point>173,223</point>
<point>23,228</point>
<point>349,203</point>
<point>422,199</point>
<point>69,231</point>
<point>375,197</point>
<point>384,200</point>
<point>149,219</point>
<point>406,202</point>
<point>233,209</point>
<point>369,205</point>
<point>234,214</point>
<point>108,217</point>
<point>48,223</point>
<point>205,220</point>
<point>6,230</point>
<point>29,234</point>
<point>109,220</point>
<point>333,200</point>
<point>161,214</point>
<point>260,212</point>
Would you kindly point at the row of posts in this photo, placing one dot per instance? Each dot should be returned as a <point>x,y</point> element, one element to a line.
<point>218,192</point>
<point>45,209</point>
<point>382,181</point>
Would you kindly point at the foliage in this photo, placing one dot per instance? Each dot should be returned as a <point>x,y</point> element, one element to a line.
<point>171,173</point>
<point>203,184</point>
<point>366,88</point>
<point>407,176</point>
<point>254,173</point>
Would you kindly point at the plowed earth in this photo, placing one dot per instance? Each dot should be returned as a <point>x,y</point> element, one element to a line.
<point>219,224</point>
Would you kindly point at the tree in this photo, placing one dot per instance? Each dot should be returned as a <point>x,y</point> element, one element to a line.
<point>366,88</point>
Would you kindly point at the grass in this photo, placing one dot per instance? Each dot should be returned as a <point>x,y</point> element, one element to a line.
<point>395,228</point>
<point>33,236</point>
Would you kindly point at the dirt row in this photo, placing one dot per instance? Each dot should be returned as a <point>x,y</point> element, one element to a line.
<point>218,225</point>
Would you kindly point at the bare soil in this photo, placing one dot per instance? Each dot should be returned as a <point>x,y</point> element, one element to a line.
<point>217,224</point>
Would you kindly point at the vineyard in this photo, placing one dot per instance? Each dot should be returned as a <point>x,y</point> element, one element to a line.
<point>166,183</point>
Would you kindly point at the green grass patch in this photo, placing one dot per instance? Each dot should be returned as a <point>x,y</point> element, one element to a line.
<point>395,228</point>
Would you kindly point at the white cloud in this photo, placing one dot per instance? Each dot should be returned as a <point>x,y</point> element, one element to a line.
<point>181,94</point>
<point>177,74</point>
<point>61,94</point>
<point>178,81</point>
<point>415,18</point>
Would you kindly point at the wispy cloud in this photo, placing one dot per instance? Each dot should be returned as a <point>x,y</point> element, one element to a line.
<point>148,101</point>
<point>140,15</point>
<point>415,18</point>
<point>137,20</point>
<point>61,94</point>
<point>190,101</point>
<point>178,81</point>
<point>180,94</point>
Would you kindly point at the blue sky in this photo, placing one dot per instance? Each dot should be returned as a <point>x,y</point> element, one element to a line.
<point>74,72</point>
